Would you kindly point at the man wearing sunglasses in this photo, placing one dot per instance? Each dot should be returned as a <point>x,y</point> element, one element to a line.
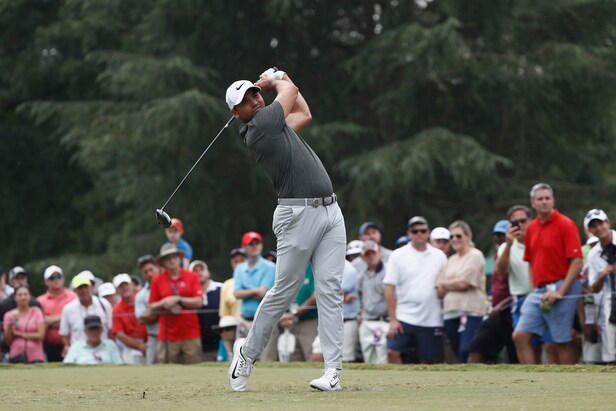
<point>412,303</point>
<point>52,302</point>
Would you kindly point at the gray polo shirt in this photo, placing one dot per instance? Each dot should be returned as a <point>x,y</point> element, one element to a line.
<point>289,163</point>
<point>141,307</point>
<point>372,293</point>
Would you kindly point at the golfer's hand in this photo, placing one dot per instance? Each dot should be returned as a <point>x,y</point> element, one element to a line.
<point>273,73</point>
<point>395,329</point>
<point>267,84</point>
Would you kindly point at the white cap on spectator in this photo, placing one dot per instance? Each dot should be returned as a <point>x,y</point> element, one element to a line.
<point>106,289</point>
<point>440,233</point>
<point>594,214</point>
<point>119,279</point>
<point>355,247</point>
<point>51,270</point>
<point>88,274</point>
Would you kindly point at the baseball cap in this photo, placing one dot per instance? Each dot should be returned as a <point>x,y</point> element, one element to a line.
<point>145,259</point>
<point>106,289</point>
<point>250,236</point>
<point>226,321</point>
<point>120,279</point>
<point>92,321</point>
<point>236,91</point>
<point>369,245</point>
<point>440,233</point>
<point>237,251</point>
<point>271,254</point>
<point>80,280</point>
<point>51,270</point>
<point>416,220</point>
<point>365,226</point>
<point>88,274</point>
<point>15,271</point>
<point>195,263</point>
<point>594,214</point>
<point>402,241</point>
<point>500,227</point>
<point>355,247</point>
<point>177,224</point>
<point>167,250</point>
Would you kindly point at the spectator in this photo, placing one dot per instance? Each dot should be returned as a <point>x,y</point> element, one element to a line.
<point>370,231</point>
<point>301,320</point>
<point>350,312</point>
<point>24,329</point>
<point>374,321</point>
<point>208,316</point>
<point>229,305</point>
<point>415,321</point>
<point>96,282</point>
<point>601,279</point>
<point>227,328</point>
<point>554,253</point>
<point>17,276</point>
<point>108,292</point>
<point>354,249</point>
<point>73,313</point>
<point>402,241</point>
<point>270,255</point>
<point>148,269</point>
<point>93,349</point>
<point>172,293</point>
<point>5,289</point>
<point>494,333</point>
<point>439,238</point>
<point>136,282</point>
<point>253,279</point>
<point>126,328</point>
<point>462,284</point>
<point>174,237</point>
<point>52,302</point>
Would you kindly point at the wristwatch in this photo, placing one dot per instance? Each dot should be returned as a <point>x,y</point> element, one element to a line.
<point>181,303</point>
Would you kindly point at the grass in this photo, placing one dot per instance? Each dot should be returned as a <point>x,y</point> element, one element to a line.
<point>285,387</point>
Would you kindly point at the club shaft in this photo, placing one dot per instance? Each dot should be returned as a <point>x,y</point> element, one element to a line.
<point>197,162</point>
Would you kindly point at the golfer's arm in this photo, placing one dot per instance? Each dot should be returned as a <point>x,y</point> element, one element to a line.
<point>286,95</point>
<point>300,115</point>
<point>574,269</point>
<point>390,299</point>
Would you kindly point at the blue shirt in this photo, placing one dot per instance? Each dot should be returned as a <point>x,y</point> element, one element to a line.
<point>184,246</point>
<point>263,274</point>
<point>141,307</point>
<point>105,353</point>
<point>350,310</point>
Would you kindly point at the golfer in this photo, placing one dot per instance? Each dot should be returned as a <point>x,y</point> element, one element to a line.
<point>308,222</point>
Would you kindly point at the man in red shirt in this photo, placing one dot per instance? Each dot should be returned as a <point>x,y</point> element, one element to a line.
<point>554,253</point>
<point>175,294</point>
<point>126,327</point>
<point>52,302</point>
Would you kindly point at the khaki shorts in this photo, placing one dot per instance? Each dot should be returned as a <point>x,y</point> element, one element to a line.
<point>179,352</point>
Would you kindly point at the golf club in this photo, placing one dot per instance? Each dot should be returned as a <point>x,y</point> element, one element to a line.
<point>162,218</point>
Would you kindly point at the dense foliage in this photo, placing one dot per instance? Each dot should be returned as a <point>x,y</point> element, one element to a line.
<point>450,109</point>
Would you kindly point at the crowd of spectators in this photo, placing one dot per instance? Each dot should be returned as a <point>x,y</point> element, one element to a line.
<point>548,299</point>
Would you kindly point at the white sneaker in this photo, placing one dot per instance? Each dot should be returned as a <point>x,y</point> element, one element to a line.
<point>240,368</point>
<point>330,381</point>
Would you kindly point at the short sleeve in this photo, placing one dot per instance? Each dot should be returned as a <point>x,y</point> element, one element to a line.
<point>154,293</point>
<point>64,329</point>
<point>473,272</point>
<point>501,249</point>
<point>391,273</point>
<point>349,278</point>
<point>572,243</point>
<point>270,119</point>
<point>116,323</point>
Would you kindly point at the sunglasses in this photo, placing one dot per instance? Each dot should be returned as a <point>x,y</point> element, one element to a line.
<point>56,277</point>
<point>421,230</point>
<point>458,236</point>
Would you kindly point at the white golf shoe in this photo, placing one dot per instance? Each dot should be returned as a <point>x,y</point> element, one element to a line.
<point>240,368</point>
<point>330,381</point>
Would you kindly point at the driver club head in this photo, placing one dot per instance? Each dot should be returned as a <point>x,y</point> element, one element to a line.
<point>163,218</point>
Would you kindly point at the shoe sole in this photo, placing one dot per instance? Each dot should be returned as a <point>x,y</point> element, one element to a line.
<point>338,388</point>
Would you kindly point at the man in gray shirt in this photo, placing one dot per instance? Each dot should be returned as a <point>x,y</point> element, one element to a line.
<point>148,269</point>
<point>308,222</point>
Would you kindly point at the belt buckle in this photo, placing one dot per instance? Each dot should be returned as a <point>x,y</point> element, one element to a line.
<point>315,202</point>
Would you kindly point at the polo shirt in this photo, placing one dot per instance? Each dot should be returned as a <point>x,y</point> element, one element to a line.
<point>549,246</point>
<point>73,314</point>
<point>304,293</point>
<point>208,316</point>
<point>414,275</point>
<point>185,324</point>
<point>52,306</point>
<point>372,293</point>
<point>263,274</point>
<point>105,353</point>
<point>519,280</point>
<point>141,307</point>
<point>350,309</point>
<point>124,319</point>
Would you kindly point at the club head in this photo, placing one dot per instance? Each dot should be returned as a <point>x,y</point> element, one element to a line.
<point>163,218</point>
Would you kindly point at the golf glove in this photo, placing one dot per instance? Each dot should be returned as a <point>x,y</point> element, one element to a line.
<point>273,73</point>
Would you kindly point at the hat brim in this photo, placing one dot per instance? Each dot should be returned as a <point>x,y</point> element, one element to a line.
<point>164,255</point>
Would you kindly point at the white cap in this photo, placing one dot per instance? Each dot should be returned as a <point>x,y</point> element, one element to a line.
<point>120,279</point>
<point>88,274</point>
<point>355,247</point>
<point>594,214</point>
<point>225,321</point>
<point>195,263</point>
<point>440,233</point>
<point>592,240</point>
<point>106,289</point>
<point>236,91</point>
<point>51,270</point>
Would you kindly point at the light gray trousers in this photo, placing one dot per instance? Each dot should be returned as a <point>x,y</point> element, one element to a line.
<point>305,234</point>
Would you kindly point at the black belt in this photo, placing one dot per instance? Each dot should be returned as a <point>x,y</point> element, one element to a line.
<point>309,202</point>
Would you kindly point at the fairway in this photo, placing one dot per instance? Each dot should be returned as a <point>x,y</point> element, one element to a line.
<point>285,386</point>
